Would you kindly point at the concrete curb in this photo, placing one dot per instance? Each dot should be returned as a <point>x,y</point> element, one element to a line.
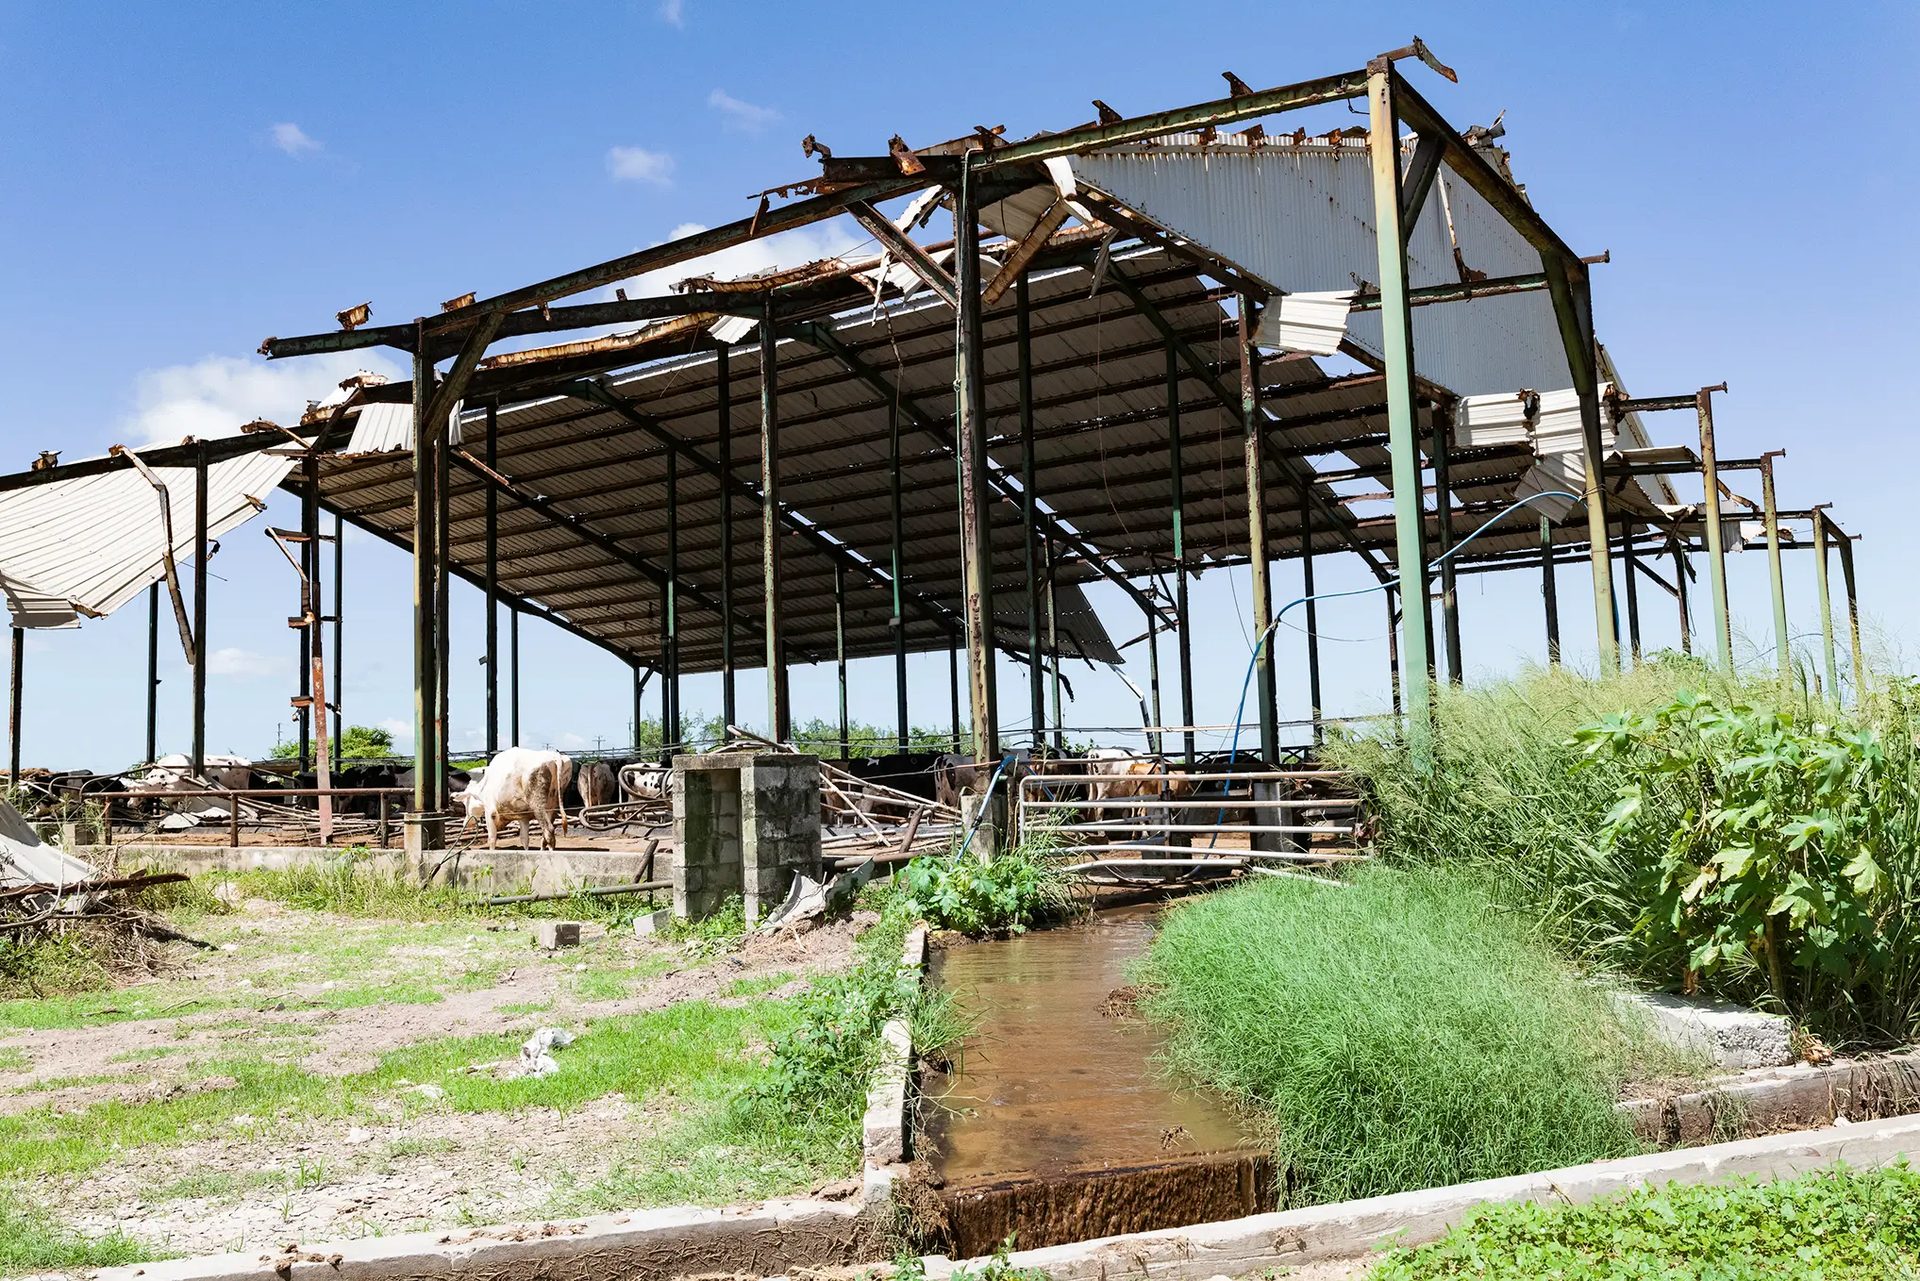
<point>1798,1097</point>
<point>884,1128</point>
<point>648,1245</point>
<point>1292,1237</point>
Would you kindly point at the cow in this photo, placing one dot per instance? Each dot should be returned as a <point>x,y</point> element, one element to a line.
<point>521,784</point>
<point>1120,775</point>
<point>953,775</point>
<point>645,782</point>
<point>596,783</point>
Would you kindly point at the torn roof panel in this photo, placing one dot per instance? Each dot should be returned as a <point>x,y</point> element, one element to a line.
<point>87,546</point>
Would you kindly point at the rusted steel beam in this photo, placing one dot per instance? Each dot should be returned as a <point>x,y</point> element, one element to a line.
<point>1421,171</point>
<point>897,564</point>
<point>1467,291</point>
<point>779,714</point>
<point>903,246</point>
<point>1549,592</point>
<point>1443,507</point>
<point>426,685</point>
<point>944,438</point>
<point>1030,540</point>
<point>976,516</point>
<point>1219,112</point>
<point>1473,169</point>
<point>1014,266</point>
<point>221,448</point>
<point>1258,560</point>
<point>1715,535</point>
<point>492,583</point>
<point>723,475</point>
<point>201,548</point>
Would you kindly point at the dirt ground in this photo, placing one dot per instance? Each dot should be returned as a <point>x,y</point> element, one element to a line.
<point>305,990</point>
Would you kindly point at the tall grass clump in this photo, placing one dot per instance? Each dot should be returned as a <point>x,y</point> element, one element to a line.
<point>1398,1032</point>
<point>1733,837</point>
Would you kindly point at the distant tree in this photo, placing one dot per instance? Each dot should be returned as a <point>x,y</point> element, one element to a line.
<point>361,742</point>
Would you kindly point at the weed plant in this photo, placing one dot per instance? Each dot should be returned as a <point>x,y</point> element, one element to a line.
<point>1022,887</point>
<point>1516,795</point>
<point>1863,1225</point>
<point>1397,1032</point>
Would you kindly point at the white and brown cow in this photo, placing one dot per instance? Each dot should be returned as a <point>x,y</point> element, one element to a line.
<point>525,785</point>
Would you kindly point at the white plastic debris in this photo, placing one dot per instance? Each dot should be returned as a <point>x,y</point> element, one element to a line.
<point>536,1053</point>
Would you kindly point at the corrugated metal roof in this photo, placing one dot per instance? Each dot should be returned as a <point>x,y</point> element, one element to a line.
<point>89,545</point>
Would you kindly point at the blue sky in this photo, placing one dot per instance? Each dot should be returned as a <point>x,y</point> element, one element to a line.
<point>181,180</point>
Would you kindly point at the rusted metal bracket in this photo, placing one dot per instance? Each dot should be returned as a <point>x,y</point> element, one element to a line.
<point>166,556</point>
<point>902,246</point>
<point>1418,49</point>
<point>1023,253</point>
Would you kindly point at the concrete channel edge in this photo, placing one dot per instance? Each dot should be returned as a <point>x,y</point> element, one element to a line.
<point>884,1128</point>
<point>1355,1228</point>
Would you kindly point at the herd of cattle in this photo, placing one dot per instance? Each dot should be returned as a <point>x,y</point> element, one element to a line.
<point>534,788</point>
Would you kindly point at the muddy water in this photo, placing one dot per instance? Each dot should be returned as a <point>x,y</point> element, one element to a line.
<point>1056,1123</point>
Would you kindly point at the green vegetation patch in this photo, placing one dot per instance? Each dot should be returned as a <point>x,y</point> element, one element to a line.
<point>31,1241</point>
<point>1863,1225</point>
<point>1399,1032</point>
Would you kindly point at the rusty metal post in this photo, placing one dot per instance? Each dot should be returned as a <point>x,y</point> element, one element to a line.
<point>638,687</point>
<point>840,652</point>
<point>153,672</point>
<point>1184,637</point>
<point>1823,588</point>
<point>310,601</point>
<point>15,685</point>
<point>779,718</point>
<point>1630,572</point>
<point>1716,537</point>
<point>201,549</point>
<point>897,568</point>
<point>493,581</point>
<point>723,431</point>
<point>671,729</point>
<point>1253,435</point>
<point>1681,596</point>
<point>1158,743</point>
<point>1443,509</point>
<point>1853,618</point>
<point>953,690</point>
<point>1023,342</point>
<point>1312,608</point>
<point>1572,295</point>
<point>1396,327</point>
<point>1549,592</point>
<point>386,828</point>
<point>339,616</point>
<point>1776,578</point>
<point>426,684</point>
<point>970,427</point>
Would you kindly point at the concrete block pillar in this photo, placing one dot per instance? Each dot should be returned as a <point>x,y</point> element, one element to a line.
<point>747,824</point>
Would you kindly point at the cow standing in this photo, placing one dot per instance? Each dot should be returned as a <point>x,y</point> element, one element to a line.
<point>525,785</point>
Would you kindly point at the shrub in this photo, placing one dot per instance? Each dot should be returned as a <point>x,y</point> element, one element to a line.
<point>1398,1031</point>
<point>1773,844</point>
<point>1003,896</point>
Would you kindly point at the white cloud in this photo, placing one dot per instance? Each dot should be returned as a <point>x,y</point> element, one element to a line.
<point>673,12</point>
<point>242,664</point>
<point>292,139</point>
<point>637,164</point>
<point>741,115</point>
<point>788,249</point>
<point>218,395</point>
<point>574,742</point>
<point>402,732</point>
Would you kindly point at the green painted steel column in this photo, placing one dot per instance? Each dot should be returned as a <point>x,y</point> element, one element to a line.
<point>1824,588</point>
<point>1680,596</point>
<point>1716,536</point>
<point>1312,608</point>
<point>1443,510</point>
<point>1053,647</point>
<point>1549,592</point>
<point>1776,576</point>
<point>1396,327</point>
<point>1630,576</point>
<point>1573,308</point>
<point>1023,342</point>
<point>490,584</point>
<point>723,431</point>
<point>779,715</point>
<point>1177,479</point>
<point>671,729</point>
<point>840,649</point>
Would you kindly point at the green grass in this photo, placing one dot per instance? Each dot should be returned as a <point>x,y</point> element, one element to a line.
<point>1396,1033</point>
<point>355,884</point>
<point>31,1241</point>
<point>1863,1225</point>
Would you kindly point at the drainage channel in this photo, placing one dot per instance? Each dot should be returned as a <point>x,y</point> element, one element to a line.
<point>1054,1122</point>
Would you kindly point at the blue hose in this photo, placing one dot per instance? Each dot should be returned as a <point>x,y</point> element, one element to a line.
<point>1253,658</point>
